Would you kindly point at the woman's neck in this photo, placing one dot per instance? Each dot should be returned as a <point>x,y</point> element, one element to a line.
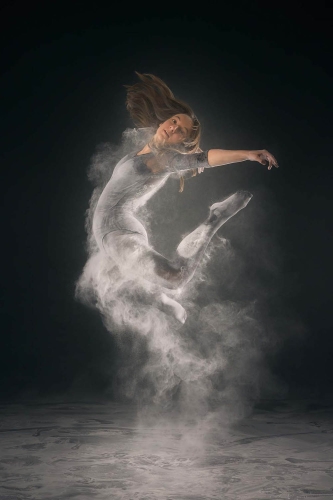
<point>146,149</point>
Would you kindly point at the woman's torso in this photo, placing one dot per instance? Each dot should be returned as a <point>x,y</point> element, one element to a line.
<point>135,179</point>
<point>131,184</point>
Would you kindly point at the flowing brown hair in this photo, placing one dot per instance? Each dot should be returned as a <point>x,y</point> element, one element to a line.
<point>151,102</point>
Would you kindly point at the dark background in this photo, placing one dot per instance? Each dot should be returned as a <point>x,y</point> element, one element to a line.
<point>257,77</point>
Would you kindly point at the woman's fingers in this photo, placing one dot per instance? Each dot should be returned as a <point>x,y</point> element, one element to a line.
<point>264,157</point>
<point>271,161</point>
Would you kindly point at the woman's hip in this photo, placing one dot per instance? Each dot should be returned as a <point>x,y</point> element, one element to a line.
<point>116,223</point>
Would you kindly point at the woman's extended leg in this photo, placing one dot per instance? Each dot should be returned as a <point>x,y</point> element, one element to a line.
<point>135,257</point>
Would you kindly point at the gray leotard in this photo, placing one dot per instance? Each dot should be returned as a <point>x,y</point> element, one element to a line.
<point>133,182</point>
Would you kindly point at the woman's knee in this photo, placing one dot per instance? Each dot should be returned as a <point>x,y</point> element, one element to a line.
<point>173,276</point>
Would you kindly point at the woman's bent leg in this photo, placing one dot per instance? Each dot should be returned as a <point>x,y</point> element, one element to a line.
<point>135,257</point>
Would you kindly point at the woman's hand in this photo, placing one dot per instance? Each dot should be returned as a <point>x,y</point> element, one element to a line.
<point>262,156</point>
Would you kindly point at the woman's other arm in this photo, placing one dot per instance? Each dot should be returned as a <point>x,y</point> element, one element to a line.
<point>218,157</point>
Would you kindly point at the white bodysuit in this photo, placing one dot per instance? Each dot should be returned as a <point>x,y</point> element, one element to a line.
<point>122,237</point>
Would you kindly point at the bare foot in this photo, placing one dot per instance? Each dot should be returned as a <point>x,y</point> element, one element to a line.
<point>172,307</point>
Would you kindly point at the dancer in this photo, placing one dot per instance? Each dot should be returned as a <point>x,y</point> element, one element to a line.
<point>172,149</point>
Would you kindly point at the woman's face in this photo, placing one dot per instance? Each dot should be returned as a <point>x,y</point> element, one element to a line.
<point>175,130</point>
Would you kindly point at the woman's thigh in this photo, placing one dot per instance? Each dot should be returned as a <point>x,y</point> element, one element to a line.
<point>135,257</point>
<point>118,221</point>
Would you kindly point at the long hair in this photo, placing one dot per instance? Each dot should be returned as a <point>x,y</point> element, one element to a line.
<point>151,102</point>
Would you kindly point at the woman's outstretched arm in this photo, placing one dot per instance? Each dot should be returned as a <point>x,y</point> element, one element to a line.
<point>218,157</point>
